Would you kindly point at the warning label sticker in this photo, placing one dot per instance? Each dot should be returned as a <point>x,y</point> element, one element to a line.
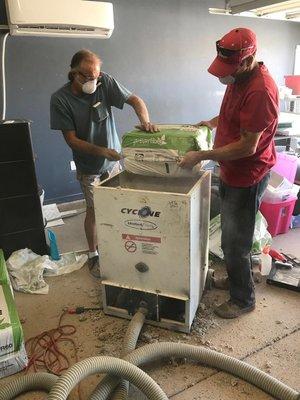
<point>145,244</point>
<point>147,239</point>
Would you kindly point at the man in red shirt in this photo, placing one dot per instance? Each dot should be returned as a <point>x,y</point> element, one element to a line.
<point>245,150</point>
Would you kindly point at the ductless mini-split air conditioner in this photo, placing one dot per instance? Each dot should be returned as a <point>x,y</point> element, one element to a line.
<point>75,18</point>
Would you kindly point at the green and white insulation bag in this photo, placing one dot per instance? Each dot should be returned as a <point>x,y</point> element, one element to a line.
<point>13,356</point>
<point>158,154</point>
<point>4,278</point>
<point>11,333</point>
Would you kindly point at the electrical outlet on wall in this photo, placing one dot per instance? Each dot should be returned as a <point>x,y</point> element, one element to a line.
<point>73,166</point>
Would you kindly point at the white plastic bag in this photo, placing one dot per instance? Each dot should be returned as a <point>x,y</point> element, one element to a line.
<point>26,269</point>
<point>261,237</point>
<point>68,263</point>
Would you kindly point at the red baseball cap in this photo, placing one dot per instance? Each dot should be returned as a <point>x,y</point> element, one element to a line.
<point>232,49</point>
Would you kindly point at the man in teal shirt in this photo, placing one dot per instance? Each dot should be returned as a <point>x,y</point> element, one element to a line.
<point>82,110</point>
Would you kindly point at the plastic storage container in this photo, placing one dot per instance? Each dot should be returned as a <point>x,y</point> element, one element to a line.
<point>278,215</point>
<point>279,189</point>
<point>293,82</point>
<point>286,166</point>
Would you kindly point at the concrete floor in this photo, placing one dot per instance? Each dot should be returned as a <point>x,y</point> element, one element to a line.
<point>268,338</point>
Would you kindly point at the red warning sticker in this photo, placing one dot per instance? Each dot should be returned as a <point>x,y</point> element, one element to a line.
<point>137,238</point>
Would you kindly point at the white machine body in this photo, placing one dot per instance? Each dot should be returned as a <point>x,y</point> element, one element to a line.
<point>153,241</point>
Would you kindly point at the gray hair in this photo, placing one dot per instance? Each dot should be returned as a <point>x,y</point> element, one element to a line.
<point>81,55</point>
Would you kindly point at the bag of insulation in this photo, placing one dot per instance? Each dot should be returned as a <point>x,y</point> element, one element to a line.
<point>158,153</point>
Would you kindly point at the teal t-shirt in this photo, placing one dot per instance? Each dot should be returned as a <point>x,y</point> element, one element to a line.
<point>91,117</point>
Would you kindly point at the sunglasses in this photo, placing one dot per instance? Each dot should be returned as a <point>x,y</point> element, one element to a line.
<point>229,53</point>
<point>226,52</point>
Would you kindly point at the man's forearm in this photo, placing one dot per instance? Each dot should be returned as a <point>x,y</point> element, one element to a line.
<point>232,151</point>
<point>89,148</point>
<point>211,124</point>
<point>214,121</point>
<point>244,147</point>
<point>140,109</point>
<point>84,147</point>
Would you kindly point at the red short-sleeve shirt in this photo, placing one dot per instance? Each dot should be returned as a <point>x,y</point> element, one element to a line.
<point>250,106</point>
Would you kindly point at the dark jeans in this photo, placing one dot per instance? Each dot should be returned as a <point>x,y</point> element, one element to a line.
<point>239,206</point>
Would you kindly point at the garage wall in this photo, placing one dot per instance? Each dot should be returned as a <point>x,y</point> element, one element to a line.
<point>159,49</point>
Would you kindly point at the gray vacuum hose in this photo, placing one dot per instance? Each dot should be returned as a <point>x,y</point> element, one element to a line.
<point>141,356</point>
<point>133,331</point>
<point>27,383</point>
<point>129,344</point>
<point>157,351</point>
<point>110,365</point>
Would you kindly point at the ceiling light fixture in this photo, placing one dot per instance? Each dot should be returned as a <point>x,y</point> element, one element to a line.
<point>270,9</point>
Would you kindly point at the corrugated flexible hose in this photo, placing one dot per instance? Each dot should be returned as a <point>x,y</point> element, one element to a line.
<point>109,365</point>
<point>158,351</point>
<point>27,383</point>
<point>59,388</point>
<point>129,344</point>
<point>127,369</point>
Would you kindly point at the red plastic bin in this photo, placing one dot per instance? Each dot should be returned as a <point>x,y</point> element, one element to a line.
<point>293,82</point>
<point>278,215</point>
<point>286,166</point>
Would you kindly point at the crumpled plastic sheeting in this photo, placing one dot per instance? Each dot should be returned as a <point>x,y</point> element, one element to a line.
<point>69,262</point>
<point>165,169</point>
<point>26,269</point>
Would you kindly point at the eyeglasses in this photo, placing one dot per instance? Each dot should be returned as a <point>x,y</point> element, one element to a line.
<point>88,78</point>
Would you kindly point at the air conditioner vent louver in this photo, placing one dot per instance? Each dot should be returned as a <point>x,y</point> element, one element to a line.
<point>60,28</point>
<point>57,27</point>
<point>56,18</point>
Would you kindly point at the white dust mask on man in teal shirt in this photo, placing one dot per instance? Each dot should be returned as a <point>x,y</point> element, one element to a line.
<point>90,87</point>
